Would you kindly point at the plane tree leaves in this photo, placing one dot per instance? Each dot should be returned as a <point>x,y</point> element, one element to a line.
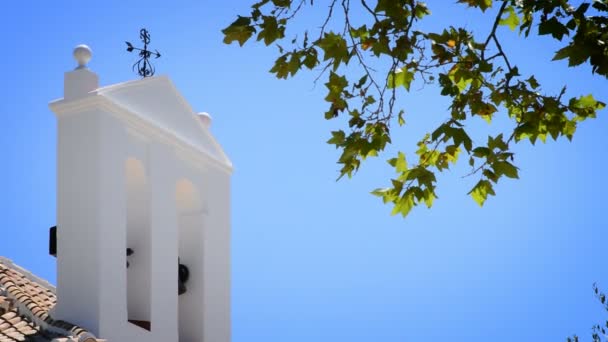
<point>511,19</point>
<point>553,27</point>
<point>481,191</point>
<point>369,60</point>
<point>482,4</point>
<point>334,48</point>
<point>240,30</point>
<point>585,23</point>
<point>598,331</point>
<point>400,78</point>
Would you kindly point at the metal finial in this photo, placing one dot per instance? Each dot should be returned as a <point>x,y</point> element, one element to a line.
<point>143,65</point>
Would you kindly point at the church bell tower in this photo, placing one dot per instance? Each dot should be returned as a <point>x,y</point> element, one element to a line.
<point>143,212</point>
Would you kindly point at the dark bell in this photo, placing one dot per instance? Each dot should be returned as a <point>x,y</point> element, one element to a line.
<point>53,241</point>
<point>129,253</point>
<point>181,288</point>
<point>183,274</point>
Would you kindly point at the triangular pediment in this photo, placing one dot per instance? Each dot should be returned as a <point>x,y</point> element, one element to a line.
<point>157,101</point>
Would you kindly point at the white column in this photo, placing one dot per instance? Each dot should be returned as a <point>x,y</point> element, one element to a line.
<point>112,218</point>
<point>216,258</point>
<point>164,243</point>
<point>78,220</point>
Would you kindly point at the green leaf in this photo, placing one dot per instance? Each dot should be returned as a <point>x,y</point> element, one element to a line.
<point>381,192</point>
<point>512,19</point>
<point>294,64</point>
<point>482,4</point>
<point>399,163</point>
<point>585,107</point>
<point>334,47</point>
<point>271,30</point>
<point>505,168</point>
<point>460,136</point>
<point>400,119</point>
<point>311,60</point>
<point>532,82</point>
<point>336,86</point>
<point>400,78</point>
<point>553,27</point>
<point>461,77</point>
<point>576,55</point>
<point>481,152</point>
<point>337,138</point>
<point>281,3</point>
<point>421,10</point>
<point>587,101</point>
<point>361,82</point>
<point>497,142</point>
<point>490,175</point>
<point>429,197</point>
<point>481,191</point>
<point>281,67</point>
<point>240,30</point>
<point>259,4</point>
<point>404,204</point>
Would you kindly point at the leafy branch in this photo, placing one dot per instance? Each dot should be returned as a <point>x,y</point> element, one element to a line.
<point>368,66</point>
<point>599,332</point>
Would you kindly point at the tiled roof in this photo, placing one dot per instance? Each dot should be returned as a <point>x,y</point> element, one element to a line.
<point>25,305</point>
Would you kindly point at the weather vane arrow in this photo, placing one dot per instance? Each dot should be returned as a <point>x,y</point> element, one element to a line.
<point>143,65</point>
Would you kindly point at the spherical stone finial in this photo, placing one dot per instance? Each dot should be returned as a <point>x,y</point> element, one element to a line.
<point>82,54</point>
<point>205,119</point>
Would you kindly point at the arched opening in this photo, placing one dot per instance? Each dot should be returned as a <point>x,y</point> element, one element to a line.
<point>138,246</point>
<point>190,253</point>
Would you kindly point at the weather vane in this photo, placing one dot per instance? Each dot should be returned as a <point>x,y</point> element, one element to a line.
<point>143,65</point>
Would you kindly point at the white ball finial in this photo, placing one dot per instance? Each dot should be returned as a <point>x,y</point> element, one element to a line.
<point>205,119</point>
<point>82,54</point>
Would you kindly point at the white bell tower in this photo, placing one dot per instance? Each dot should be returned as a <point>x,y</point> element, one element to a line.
<point>141,184</point>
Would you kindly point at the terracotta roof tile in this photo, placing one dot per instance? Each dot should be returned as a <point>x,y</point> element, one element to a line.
<point>25,302</point>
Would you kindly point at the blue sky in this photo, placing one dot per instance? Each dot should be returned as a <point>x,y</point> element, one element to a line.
<point>315,259</point>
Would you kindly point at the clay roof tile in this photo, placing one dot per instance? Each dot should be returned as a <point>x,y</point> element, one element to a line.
<point>27,292</point>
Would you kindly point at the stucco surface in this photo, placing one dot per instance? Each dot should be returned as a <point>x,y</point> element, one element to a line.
<point>156,100</point>
<point>137,169</point>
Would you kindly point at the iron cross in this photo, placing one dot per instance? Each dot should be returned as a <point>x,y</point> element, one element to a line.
<point>143,65</point>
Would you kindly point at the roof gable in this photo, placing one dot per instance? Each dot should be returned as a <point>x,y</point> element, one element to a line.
<point>156,100</point>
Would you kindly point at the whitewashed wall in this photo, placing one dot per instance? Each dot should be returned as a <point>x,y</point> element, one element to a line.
<point>128,177</point>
